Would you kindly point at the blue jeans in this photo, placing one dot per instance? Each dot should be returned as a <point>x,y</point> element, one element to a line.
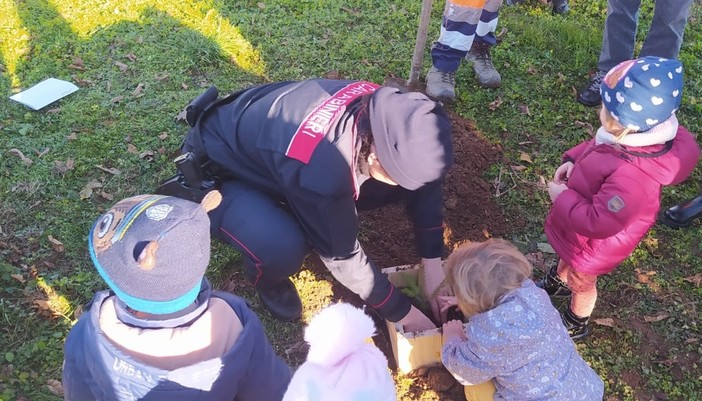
<point>663,39</point>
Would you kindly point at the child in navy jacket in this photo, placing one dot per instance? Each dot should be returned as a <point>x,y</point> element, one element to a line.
<point>161,333</point>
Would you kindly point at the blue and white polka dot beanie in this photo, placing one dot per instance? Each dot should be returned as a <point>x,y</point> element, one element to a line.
<point>152,250</point>
<point>643,93</point>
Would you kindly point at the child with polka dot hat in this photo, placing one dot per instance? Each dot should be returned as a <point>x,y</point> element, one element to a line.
<point>606,194</point>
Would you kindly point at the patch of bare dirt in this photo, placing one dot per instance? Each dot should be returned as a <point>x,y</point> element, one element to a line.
<point>470,209</point>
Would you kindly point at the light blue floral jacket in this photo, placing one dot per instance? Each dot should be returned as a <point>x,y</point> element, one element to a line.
<point>523,345</point>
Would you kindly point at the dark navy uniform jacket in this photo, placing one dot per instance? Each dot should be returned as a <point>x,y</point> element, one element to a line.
<point>283,139</point>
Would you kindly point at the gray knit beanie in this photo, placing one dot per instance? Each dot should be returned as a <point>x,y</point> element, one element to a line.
<point>412,136</point>
<point>152,250</point>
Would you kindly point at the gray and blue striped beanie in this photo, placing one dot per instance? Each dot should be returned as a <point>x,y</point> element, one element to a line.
<point>152,250</point>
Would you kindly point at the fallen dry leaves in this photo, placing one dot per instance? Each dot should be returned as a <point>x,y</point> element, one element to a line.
<point>27,161</point>
<point>61,167</point>
<point>656,318</point>
<point>110,170</point>
<point>122,67</point>
<point>495,104</point>
<point>55,387</point>
<point>87,190</point>
<point>525,157</point>
<point>696,279</point>
<point>77,64</point>
<point>56,244</point>
<point>605,321</point>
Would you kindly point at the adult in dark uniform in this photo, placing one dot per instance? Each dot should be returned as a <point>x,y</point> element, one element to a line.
<point>300,158</point>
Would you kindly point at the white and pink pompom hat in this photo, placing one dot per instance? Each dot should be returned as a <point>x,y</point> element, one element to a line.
<point>341,365</point>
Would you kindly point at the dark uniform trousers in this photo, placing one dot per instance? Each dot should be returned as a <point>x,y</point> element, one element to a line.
<point>266,232</point>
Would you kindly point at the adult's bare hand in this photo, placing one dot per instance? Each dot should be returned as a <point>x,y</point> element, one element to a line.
<point>432,287</point>
<point>415,320</point>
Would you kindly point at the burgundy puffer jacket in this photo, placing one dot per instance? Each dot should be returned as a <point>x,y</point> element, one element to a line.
<point>613,198</point>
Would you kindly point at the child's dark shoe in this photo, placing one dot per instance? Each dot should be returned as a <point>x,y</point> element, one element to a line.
<point>553,285</point>
<point>578,327</point>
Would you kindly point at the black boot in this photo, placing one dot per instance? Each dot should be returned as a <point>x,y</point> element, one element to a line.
<point>560,7</point>
<point>578,327</point>
<point>682,215</point>
<point>281,299</point>
<point>553,285</point>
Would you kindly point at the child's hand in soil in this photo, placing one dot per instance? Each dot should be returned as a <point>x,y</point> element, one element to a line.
<point>446,302</point>
<point>555,189</point>
<point>453,329</point>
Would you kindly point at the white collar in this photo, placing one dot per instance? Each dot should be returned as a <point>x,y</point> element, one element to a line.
<point>657,135</point>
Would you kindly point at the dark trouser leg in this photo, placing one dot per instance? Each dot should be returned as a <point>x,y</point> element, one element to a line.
<point>619,36</point>
<point>270,240</point>
<point>666,34</point>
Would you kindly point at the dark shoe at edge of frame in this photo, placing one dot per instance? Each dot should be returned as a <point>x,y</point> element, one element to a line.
<point>590,95</point>
<point>683,214</point>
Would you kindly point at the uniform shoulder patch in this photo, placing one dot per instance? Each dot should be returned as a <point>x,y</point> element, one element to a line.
<point>615,204</point>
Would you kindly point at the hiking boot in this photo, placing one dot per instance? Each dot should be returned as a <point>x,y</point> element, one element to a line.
<point>682,215</point>
<point>485,72</point>
<point>560,7</point>
<point>553,285</point>
<point>578,327</point>
<point>441,85</point>
<point>590,96</point>
<point>281,299</point>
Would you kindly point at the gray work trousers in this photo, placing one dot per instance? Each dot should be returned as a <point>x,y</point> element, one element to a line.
<point>663,39</point>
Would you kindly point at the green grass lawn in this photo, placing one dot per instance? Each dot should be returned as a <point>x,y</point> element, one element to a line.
<point>138,63</point>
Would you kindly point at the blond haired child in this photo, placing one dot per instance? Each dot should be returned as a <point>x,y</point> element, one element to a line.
<point>606,194</point>
<point>514,335</point>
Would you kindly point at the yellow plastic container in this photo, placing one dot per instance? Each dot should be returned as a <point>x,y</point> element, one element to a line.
<point>416,349</point>
<point>480,392</point>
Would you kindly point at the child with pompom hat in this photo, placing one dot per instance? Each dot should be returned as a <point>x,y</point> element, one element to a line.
<point>341,365</point>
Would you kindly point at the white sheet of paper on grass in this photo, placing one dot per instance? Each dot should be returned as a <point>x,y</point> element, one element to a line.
<point>45,92</point>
